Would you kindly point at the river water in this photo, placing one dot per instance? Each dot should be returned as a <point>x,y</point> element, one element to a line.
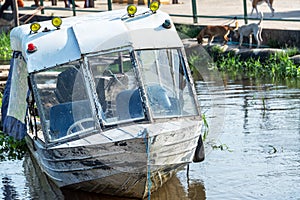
<point>252,146</point>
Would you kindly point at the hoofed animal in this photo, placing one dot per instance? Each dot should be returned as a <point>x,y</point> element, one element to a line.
<point>258,2</point>
<point>249,29</point>
<point>213,31</point>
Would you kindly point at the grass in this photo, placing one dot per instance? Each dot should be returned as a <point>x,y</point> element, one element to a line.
<point>205,127</point>
<point>5,50</point>
<point>277,66</point>
<point>186,31</point>
<point>11,149</point>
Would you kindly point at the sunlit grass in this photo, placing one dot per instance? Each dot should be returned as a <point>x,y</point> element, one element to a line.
<point>277,66</point>
<point>5,50</point>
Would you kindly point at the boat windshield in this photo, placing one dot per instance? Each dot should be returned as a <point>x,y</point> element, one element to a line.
<point>166,83</point>
<point>65,106</point>
<point>116,87</point>
<point>73,97</point>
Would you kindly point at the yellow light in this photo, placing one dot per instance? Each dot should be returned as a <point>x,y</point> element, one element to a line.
<point>34,27</point>
<point>154,6</point>
<point>56,21</point>
<point>131,10</point>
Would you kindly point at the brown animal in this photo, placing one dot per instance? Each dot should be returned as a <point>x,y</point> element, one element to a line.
<point>258,2</point>
<point>213,31</point>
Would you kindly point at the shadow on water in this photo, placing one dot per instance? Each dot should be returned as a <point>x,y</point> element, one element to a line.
<point>40,187</point>
<point>9,191</point>
<point>171,190</point>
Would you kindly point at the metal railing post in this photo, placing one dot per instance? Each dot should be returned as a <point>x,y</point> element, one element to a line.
<point>194,6</point>
<point>245,12</point>
<point>16,13</point>
<point>73,7</point>
<point>42,4</point>
<point>109,4</point>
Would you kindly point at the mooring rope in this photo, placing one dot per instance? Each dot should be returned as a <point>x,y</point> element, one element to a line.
<point>147,142</point>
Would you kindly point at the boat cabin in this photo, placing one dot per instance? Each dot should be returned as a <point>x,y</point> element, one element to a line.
<point>95,72</point>
<point>106,101</point>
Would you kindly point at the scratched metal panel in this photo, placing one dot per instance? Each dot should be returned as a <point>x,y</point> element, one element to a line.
<point>121,166</point>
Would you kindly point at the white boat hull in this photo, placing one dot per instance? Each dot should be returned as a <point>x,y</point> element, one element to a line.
<point>131,167</point>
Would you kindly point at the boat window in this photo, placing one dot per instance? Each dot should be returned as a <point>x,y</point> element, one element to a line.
<point>116,87</point>
<point>166,82</point>
<point>62,95</point>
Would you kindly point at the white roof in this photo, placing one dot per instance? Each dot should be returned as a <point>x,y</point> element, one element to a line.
<point>92,33</point>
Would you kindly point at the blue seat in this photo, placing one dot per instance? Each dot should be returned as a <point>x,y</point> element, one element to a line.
<point>158,96</point>
<point>129,104</point>
<point>63,115</point>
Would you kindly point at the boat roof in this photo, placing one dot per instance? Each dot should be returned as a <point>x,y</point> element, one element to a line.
<point>96,32</point>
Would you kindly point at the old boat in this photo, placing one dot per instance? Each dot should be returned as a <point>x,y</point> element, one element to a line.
<point>107,100</point>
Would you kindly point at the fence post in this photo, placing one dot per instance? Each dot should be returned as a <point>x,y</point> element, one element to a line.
<point>16,13</point>
<point>245,12</point>
<point>42,4</point>
<point>73,7</point>
<point>109,4</point>
<point>194,6</point>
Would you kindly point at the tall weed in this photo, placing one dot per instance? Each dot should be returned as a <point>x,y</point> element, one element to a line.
<point>5,50</point>
<point>277,67</point>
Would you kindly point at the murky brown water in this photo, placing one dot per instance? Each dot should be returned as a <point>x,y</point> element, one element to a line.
<point>258,128</point>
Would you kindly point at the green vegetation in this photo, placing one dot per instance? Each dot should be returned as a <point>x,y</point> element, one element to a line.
<point>10,148</point>
<point>292,51</point>
<point>186,31</point>
<point>1,96</point>
<point>5,50</point>
<point>214,145</point>
<point>222,147</point>
<point>206,127</point>
<point>277,67</point>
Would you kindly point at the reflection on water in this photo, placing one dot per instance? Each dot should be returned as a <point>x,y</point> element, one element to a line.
<point>13,181</point>
<point>9,191</point>
<point>260,124</point>
<point>173,190</point>
<point>42,188</point>
<point>39,185</point>
<point>263,131</point>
